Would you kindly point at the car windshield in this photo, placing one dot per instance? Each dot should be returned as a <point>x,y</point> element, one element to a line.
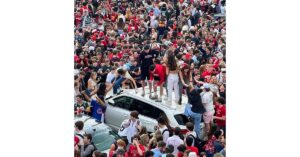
<point>181,119</point>
<point>104,139</point>
<point>102,135</point>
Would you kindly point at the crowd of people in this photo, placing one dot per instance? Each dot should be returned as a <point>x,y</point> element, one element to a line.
<point>178,46</point>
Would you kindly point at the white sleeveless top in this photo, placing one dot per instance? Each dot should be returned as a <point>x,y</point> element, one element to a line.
<point>132,129</point>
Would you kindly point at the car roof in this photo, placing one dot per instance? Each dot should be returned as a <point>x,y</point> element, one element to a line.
<point>162,105</point>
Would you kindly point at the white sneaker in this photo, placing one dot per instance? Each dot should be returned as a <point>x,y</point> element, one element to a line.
<point>158,100</point>
<point>165,98</point>
<point>173,106</point>
<point>143,93</point>
<point>168,103</point>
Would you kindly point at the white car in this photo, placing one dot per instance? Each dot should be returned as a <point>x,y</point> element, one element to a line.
<point>120,105</point>
<point>102,135</point>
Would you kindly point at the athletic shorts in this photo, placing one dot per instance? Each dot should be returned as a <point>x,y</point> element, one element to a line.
<point>156,78</point>
<point>145,74</point>
<point>208,116</point>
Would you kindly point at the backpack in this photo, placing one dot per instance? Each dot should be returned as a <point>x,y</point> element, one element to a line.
<point>95,148</point>
<point>198,143</point>
<point>80,135</point>
<point>170,130</point>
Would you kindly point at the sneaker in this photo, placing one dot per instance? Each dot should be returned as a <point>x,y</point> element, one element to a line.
<point>179,103</point>
<point>173,106</point>
<point>143,94</point>
<point>153,97</point>
<point>158,100</point>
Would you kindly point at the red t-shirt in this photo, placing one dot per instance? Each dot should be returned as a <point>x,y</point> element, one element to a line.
<point>83,8</point>
<point>114,17</point>
<point>76,59</point>
<point>120,54</point>
<point>205,73</point>
<point>220,112</point>
<point>216,63</point>
<point>77,19</point>
<point>159,71</point>
<point>192,148</point>
<point>110,56</point>
<point>180,154</point>
<point>133,152</point>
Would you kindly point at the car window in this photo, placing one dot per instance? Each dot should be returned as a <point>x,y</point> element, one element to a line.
<point>146,109</point>
<point>181,119</point>
<point>123,102</point>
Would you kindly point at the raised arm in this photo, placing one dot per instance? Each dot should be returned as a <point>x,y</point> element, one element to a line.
<point>100,101</point>
<point>86,96</point>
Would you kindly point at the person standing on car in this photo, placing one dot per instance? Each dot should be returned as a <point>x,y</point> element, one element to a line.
<point>194,108</point>
<point>172,71</point>
<point>146,60</point>
<point>158,73</point>
<point>121,76</point>
<point>134,125</point>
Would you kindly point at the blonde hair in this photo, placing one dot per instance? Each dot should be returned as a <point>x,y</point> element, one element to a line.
<point>144,139</point>
<point>121,143</point>
<point>202,68</point>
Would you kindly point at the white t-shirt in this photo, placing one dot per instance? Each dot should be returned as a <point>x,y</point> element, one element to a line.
<point>207,100</point>
<point>166,134</point>
<point>132,129</point>
<point>124,128</point>
<point>82,132</point>
<point>174,141</point>
<point>110,76</point>
<point>127,75</point>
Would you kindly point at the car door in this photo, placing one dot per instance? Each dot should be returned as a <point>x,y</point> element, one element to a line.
<point>118,111</point>
<point>148,114</point>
